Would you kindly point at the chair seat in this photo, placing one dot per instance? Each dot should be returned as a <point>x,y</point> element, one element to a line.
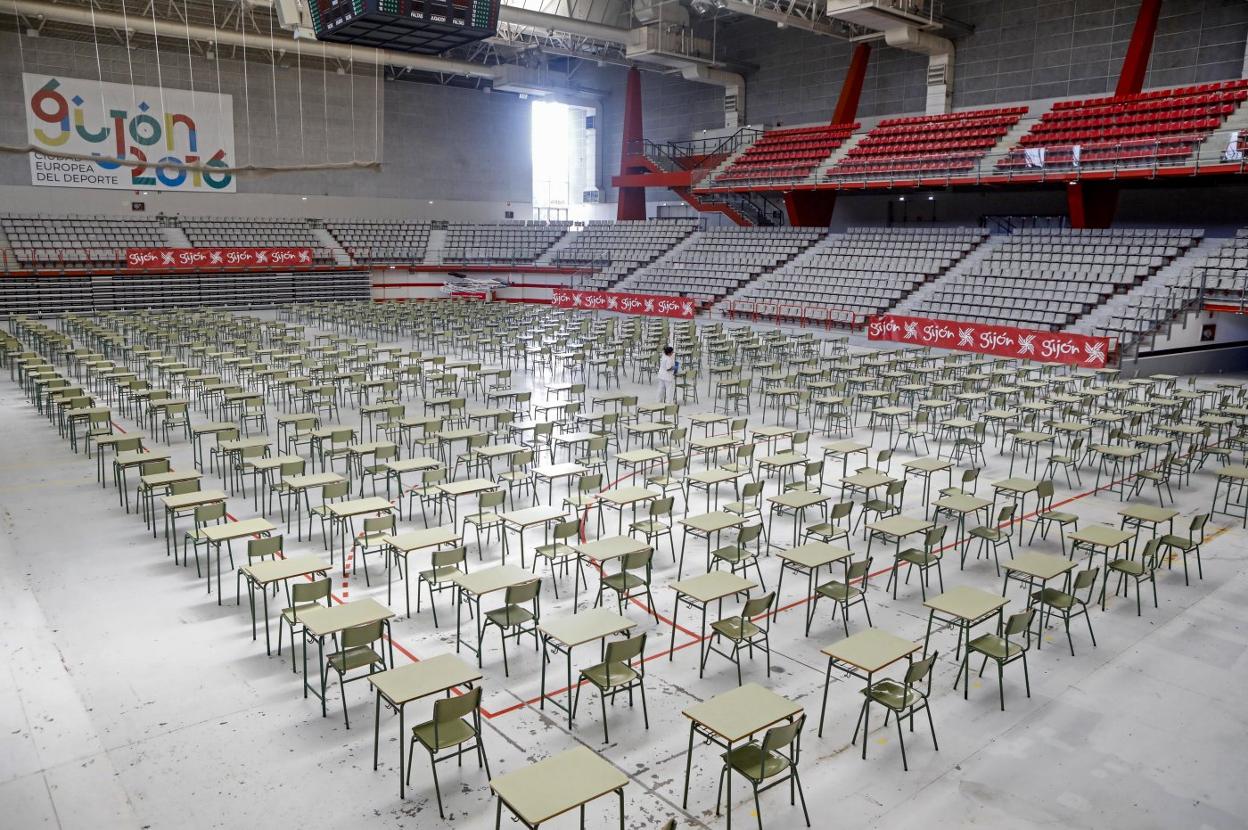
<point>1059,517</point>
<point>995,647</point>
<point>353,658</point>
<point>918,557</point>
<point>827,530</point>
<point>1180,542</point>
<point>992,534</point>
<point>440,574</point>
<point>838,591</point>
<point>890,693</point>
<point>448,734</point>
<point>742,508</point>
<point>750,761</point>
<point>483,519</point>
<point>509,616</point>
<point>878,506</point>
<point>1130,567</point>
<point>733,554</point>
<point>368,540</point>
<point>610,675</point>
<point>556,550</point>
<point>1054,598</point>
<point>579,500</point>
<point>736,628</point>
<point>649,526</point>
<point>623,582</point>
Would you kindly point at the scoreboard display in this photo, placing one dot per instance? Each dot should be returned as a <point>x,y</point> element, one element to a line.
<point>428,27</point>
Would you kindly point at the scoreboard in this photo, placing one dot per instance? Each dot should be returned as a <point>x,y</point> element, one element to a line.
<point>428,27</point>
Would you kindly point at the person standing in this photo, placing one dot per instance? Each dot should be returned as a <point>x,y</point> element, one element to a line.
<point>667,375</point>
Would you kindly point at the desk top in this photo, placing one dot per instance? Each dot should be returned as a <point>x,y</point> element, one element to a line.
<point>493,579</point>
<point>815,554</point>
<point>467,487</point>
<point>611,547</point>
<point>929,465</point>
<point>741,712</point>
<point>312,480</point>
<point>870,649</point>
<point>711,522</point>
<point>237,530</point>
<point>558,784</point>
<point>798,499</point>
<point>713,585</point>
<point>324,620</point>
<point>1017,485</point>
<point>355,507</point>
<point>900,525</point>
<point>199,497</point>
<point>417,539</point>
<point>585,626</point>
<point>966,603</point>
<point>559,470</point>
<point>529,516</point>
<point>628,495</point>
<point>427,677</point>
<point>275,570</point>
<point>1101,535</point>
<point>1043,566</point>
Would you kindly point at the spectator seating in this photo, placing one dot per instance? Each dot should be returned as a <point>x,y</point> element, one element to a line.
<point>718,262</point>
<point>864,271</point>
<point>249,232</point>
<point>927,145</point>
<point>519,241</point>
<point>615,249</point>
<point>381,241</point>
<point>1048,278</point>
<point>784,155</point>
<point>77,241</point>
<point>1158,126</point>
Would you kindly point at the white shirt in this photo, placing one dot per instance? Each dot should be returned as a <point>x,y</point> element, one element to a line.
<point>667,368</point>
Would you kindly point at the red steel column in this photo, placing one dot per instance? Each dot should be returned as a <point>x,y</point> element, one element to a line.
<point>851,89</point>
<point>632,200</point>
<point>1135,64</point>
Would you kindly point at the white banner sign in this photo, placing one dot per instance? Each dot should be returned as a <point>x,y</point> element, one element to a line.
<point>119,121</point>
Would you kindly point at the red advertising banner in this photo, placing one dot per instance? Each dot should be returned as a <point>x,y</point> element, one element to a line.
<point>1002,341</point>
<point>164,258</point>
<point>650,305</point>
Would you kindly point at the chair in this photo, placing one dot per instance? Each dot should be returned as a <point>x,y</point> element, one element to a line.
<point>738,555</point>
<point>743,461</point>
<point>971,446</point>
<point>632,580</point>
<point>917,431</point>
<point>281,488</point>
<point>743,632</point>
<point>1145,568</point>
<point>1046,515</point>
<point>1189,544</point>
<point>845,594</point>
<point>487,518</point>
<point>205,516</point>
<point>832,529</point>
<point>924,559</point>
<point>444,564</point>
<point>456,721</point>
<point>519,474</point>
<point>1069,605</point>
<point>303,596</point>
<point>1067,462</point>
<point>258,549</point>
<point>1003,649</point>
<point>894,493</point>
<point>356,652</point>
<point>473,463</point>
<point>653,527</point>
<point>559,552</point>
<point>330,493</point>
<point>757,762</point>
<point>883,461</point>
<point>812,478</point>
<point>994,537</point>
<point>617,673</point>
<point>902,700</point>
<point>513,616</point>
<point>673,478</point>
<point>175,416</point>
<point>378,471</point>
<point>372,540</point>
<point>585,496</point>
<point>966,487</point>
<point>1158,476</point>
<point>428,492</point>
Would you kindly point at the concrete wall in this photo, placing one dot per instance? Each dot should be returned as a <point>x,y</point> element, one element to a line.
<point>463,148</point>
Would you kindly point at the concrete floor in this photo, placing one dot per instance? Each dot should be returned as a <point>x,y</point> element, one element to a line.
<point>131,699</point>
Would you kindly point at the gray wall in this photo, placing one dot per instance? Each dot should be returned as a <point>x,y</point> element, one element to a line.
<point>439,142</point>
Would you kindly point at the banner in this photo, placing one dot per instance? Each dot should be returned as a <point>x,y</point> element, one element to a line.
<point>1002,341</point>
<point>651,305</point>
<point>166,258</point>
<point>120,121</point>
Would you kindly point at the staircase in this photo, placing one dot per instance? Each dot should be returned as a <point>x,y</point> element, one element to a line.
<point>802,258</point>
<point>172,233</point>
<point>548,256</point>
<point>1211,150</point>
<point>326,240</point>
<point>820,172</point>
<point>7,260</point>
<point>435,247</point>
<point>911,304</point>
<point>1151,308</point>
<point>671,255</point>
<point>986,166</point>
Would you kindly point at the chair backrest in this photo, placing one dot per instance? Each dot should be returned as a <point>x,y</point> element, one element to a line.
<point>205,513</point>
<point>1198,526</point>
<point>524,592</point>
<point>841,510</point>
<point>448,556</point>
<point>749,534</point>
<point>376,524</point>
<point>662,507</point>
<point>264,546</point>
<point>637,560</point>
<point>341,436</point>
<point>305,592</point>
<point>1151,558</point>
<point>178,488</point>
<point>336,490</point>
<point>859,570</point>
<point>921,670</point>
<point>587,484</point>
<point>1086,579</point>
<point>933,537</point>
<point>745,451</point>
<point>778,738</point>
<point>623,651</point>
<point>566,530</point>
<point>434,476</point>
<point>1044,491</point>
<point>752,490</point>
<point>758,605</point>
<point>292,468</point>
<point>448,710</point>
<point>490,499</point>
<point>1019,623</point>
<point>159,465</point>
<point>362,635</point>
<point>1005,514</point>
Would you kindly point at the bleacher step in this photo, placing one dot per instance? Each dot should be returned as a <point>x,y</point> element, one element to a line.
<point>327,241</point>
<point>435,247</point>
<point>920,295</point>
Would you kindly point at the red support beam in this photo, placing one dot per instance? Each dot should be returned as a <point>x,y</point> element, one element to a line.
<point>632,200</point>
<point>1140,49</point>
<point>851,89</point>
<point>1092,204</point>
<point>809,208</point>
